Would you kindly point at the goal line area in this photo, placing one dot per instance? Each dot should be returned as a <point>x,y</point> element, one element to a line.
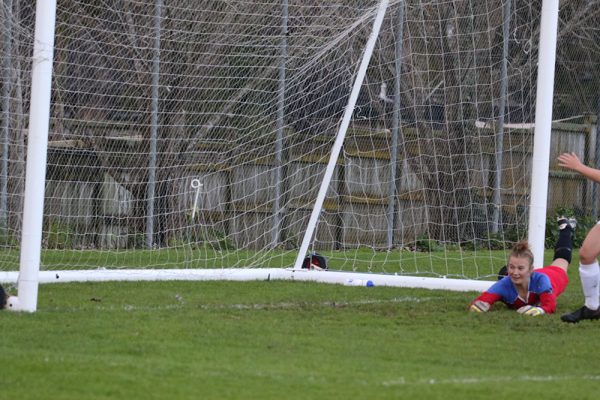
<point>251,274</point>
<point>422,267</point>
<point>229,140</point>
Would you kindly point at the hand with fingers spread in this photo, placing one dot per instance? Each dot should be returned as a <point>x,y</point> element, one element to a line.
<point>569,161</point>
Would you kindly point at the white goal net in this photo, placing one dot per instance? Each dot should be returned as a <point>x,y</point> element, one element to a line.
<point>195,134</point>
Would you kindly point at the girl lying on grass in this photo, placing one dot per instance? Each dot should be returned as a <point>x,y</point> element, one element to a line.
<point>529,291</point>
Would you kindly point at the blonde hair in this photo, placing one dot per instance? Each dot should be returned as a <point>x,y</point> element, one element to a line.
<point>521,250</point>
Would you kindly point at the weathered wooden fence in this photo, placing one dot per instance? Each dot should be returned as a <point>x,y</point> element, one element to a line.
<point>91,206</point>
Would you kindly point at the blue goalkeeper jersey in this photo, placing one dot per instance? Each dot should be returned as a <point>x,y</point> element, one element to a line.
<point>539,292</point>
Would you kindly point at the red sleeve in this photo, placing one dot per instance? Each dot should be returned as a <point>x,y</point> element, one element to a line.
<point>488,297</point>
<point>548,302</point>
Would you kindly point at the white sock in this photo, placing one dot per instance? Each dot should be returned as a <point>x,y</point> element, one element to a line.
<point>590,275</point>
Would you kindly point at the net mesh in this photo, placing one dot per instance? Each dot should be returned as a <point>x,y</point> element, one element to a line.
<point>195,134</point>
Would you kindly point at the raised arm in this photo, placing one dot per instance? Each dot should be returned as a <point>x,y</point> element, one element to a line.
<point>572,162</point>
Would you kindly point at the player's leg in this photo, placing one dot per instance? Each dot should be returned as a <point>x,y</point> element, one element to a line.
<point>563,249</point>
<point>589,272</point>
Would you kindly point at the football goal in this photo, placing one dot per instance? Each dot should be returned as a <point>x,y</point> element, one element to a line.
<point>405,142</point>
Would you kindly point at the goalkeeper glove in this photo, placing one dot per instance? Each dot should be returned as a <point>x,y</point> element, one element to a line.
<point>531,310</point>
<point>479,306</point>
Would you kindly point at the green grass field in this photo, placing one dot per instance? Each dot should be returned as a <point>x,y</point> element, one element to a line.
<point>289,340</point>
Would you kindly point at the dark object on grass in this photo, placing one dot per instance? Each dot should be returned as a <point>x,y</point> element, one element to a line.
<point>314,261</point>
<point>580,315</point>
<point>3,298</point>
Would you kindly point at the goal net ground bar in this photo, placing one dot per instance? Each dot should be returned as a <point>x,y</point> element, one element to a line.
<point>250,274</point>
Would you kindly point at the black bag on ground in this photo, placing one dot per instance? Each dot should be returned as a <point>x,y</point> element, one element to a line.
<point>314,261</point>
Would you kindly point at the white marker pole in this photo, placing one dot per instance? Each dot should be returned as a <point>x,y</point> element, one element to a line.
<point>198,186</point>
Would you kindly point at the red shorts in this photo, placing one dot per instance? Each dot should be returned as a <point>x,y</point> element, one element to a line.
<point>558,278</point>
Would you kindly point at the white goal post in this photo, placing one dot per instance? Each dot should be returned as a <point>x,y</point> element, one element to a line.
<point>39,120</point>
<point>206,140</point>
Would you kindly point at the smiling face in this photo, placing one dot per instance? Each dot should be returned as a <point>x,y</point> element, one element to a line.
<point>519,270</point>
